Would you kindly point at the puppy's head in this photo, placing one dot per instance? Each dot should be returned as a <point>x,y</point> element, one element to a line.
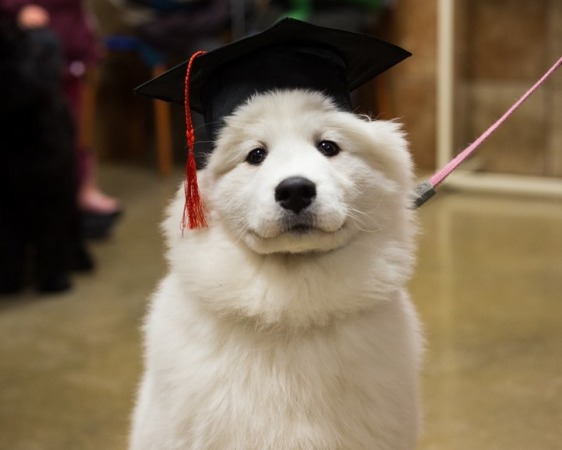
<point>291,173</point>
<point>308,214</point>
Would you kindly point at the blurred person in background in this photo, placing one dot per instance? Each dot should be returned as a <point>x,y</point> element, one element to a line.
<point>75,28</point>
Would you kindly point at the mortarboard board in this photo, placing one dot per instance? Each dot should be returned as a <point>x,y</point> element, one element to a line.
<point>290,55</point>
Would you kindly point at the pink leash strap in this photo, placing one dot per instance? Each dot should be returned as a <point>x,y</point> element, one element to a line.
<point>425,190</point>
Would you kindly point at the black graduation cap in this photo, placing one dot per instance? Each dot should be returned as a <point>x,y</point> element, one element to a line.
<point>291,54</point>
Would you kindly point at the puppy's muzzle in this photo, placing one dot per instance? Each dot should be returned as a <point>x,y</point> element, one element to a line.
<point>295,193</point>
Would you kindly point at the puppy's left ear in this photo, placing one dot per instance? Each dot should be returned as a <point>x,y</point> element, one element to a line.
<point>389,139</point>
<point>389,135</point>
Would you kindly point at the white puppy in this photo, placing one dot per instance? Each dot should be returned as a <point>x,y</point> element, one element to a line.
<point>286,325</point>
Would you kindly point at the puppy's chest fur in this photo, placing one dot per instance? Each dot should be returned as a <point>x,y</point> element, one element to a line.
<point>225,384</point>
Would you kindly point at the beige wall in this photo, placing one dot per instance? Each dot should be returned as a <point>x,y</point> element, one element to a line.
<point>502,48</point>
<point>505,46</point>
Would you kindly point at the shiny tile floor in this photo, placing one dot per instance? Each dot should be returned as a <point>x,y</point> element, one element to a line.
<point>488,288</point>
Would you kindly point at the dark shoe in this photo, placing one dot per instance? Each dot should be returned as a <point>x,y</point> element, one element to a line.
<point>98,225</point>
<point>53,283</point>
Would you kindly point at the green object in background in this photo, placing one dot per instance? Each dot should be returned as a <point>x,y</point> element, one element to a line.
<point>300,10</point>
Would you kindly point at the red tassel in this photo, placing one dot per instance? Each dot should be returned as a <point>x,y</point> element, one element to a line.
<point>194,209</point>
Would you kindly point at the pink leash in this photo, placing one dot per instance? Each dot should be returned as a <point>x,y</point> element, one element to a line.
<point>425,190</point>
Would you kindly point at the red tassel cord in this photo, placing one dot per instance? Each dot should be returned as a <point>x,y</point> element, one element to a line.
<point>194,209</point>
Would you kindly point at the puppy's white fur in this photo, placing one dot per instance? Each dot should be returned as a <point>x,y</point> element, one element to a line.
<point>261,338</point>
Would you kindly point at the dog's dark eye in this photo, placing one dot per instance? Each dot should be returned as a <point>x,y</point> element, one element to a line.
<point>256,156</point>
<point>328,148</point>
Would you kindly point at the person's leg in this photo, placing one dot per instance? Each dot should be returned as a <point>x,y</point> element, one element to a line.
<point>91,199</point>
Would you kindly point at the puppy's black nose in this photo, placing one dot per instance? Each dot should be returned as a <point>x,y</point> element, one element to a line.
<point>295,193</point>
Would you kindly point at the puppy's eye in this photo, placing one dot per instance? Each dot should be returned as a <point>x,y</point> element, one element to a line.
<point>328,148</point>
<point>256,156</point>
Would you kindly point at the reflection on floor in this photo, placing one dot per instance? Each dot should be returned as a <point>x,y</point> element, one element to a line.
<point>488,288</point>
